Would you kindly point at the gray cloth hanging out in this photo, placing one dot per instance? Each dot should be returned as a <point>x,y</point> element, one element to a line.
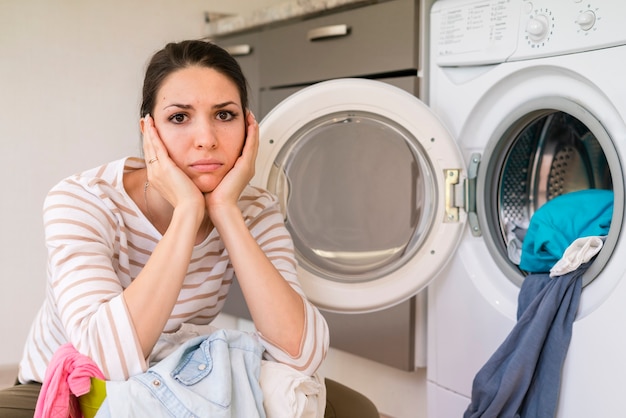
<point>522,378</point>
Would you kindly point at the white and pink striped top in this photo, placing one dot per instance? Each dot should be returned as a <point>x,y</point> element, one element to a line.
<point>98,241</point>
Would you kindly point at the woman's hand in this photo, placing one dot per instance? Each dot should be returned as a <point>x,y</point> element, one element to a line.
<point>230,188</point>
<point>165,176</point>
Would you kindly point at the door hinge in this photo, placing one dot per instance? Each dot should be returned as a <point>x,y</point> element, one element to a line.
<point>470,194</point>
<point>462,195</point>
<point>451,194</point>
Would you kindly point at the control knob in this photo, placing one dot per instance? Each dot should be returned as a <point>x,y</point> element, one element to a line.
<point>586,20</point>
<point>538,28</point>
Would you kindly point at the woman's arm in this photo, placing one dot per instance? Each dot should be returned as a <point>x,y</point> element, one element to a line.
<point>277,310</point>
<point>266,224</point>
<point>151,297</point>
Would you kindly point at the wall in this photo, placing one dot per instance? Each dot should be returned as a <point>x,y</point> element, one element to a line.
<point>70,76</point>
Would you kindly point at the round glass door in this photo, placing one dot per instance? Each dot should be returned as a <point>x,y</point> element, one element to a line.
<point>362,170</point>
<point>357,195</point>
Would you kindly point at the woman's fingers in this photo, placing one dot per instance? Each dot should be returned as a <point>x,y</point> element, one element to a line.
<point>153,148</point>
<point>148,148</point>
<point>156,155</point>
<point>166,177</point>
<point>246,162</point>
<point>251,145</point>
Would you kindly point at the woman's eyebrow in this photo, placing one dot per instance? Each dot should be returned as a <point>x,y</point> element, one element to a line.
<point>182,106</point>
<point>215,106</point>
<point>221,105</point>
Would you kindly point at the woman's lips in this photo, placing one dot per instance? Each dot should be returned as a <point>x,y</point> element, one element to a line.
<point>206,165</point>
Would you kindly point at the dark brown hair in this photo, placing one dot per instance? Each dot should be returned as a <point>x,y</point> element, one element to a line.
<point>176,56</point>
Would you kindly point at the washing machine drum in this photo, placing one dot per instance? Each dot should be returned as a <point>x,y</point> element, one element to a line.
<point>357,166</point>
<point>553,155</point>
<point>545,154</point>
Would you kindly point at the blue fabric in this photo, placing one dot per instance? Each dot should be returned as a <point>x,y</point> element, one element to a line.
<point>562,220</point>
<point>522,378</point>
<point>208,376</point>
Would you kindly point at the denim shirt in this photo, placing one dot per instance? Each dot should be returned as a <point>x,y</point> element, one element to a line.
<point>208,376</point>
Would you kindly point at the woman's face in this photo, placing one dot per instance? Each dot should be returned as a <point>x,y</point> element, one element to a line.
<point>200,120</point>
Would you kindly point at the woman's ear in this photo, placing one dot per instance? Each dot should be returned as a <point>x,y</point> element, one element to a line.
<point>143,123</point>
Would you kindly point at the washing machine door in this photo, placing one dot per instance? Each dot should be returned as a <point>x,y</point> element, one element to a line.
<point>369,183</point>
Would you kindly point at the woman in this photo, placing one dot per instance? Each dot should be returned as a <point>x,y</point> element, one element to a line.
<point>137,248</point>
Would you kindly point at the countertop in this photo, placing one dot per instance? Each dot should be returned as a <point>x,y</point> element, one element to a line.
<point>290,10</point>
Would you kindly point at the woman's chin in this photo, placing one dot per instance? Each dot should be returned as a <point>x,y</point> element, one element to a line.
<point>207,186</point>
<point>206,189</point>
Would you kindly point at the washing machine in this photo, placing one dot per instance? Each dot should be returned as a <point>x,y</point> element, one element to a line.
<point>387,196</point>
<point>533,93</point>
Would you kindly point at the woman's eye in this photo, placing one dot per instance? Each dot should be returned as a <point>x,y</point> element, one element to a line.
<point>224,115</point>
<point>178,118</point>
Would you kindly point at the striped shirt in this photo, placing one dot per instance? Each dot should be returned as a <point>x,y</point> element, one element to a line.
<point>98,241</point>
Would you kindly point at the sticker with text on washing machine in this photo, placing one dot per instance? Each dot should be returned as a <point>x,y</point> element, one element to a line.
<point>473,33</point>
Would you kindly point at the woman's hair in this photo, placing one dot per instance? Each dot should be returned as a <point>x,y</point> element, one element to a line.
<point>176,56</point>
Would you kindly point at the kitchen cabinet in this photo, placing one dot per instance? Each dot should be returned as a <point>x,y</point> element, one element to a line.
<point>369,41</point>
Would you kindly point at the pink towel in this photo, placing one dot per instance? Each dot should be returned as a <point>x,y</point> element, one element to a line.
<point>68,375</point>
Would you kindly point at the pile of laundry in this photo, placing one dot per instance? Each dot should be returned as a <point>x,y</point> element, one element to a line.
<point>220,374</point>
<point>522,378</point>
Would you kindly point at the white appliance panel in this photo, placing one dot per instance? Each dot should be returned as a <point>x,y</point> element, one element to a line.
<point>486,91</point>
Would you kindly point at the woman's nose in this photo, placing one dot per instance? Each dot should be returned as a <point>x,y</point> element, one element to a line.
<point>205,136</point>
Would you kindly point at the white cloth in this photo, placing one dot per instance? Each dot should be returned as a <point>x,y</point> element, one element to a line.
<point>515,232</point>
<point>288,393</point>
<point>579,252</point>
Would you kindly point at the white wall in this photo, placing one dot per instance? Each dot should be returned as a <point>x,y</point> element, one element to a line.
<point>70,79</point>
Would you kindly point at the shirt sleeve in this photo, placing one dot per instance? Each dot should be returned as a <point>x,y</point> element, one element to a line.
<point>271,234</point>
<point>82,233</point>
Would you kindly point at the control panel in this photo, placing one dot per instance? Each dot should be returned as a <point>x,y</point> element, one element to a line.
<point>478,32</point>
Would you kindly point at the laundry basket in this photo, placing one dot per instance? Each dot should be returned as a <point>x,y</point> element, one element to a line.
<point>342,402</point>
<point>91,401</point>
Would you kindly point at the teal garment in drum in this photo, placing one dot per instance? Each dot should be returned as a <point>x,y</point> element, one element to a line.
<point>562,220</point>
